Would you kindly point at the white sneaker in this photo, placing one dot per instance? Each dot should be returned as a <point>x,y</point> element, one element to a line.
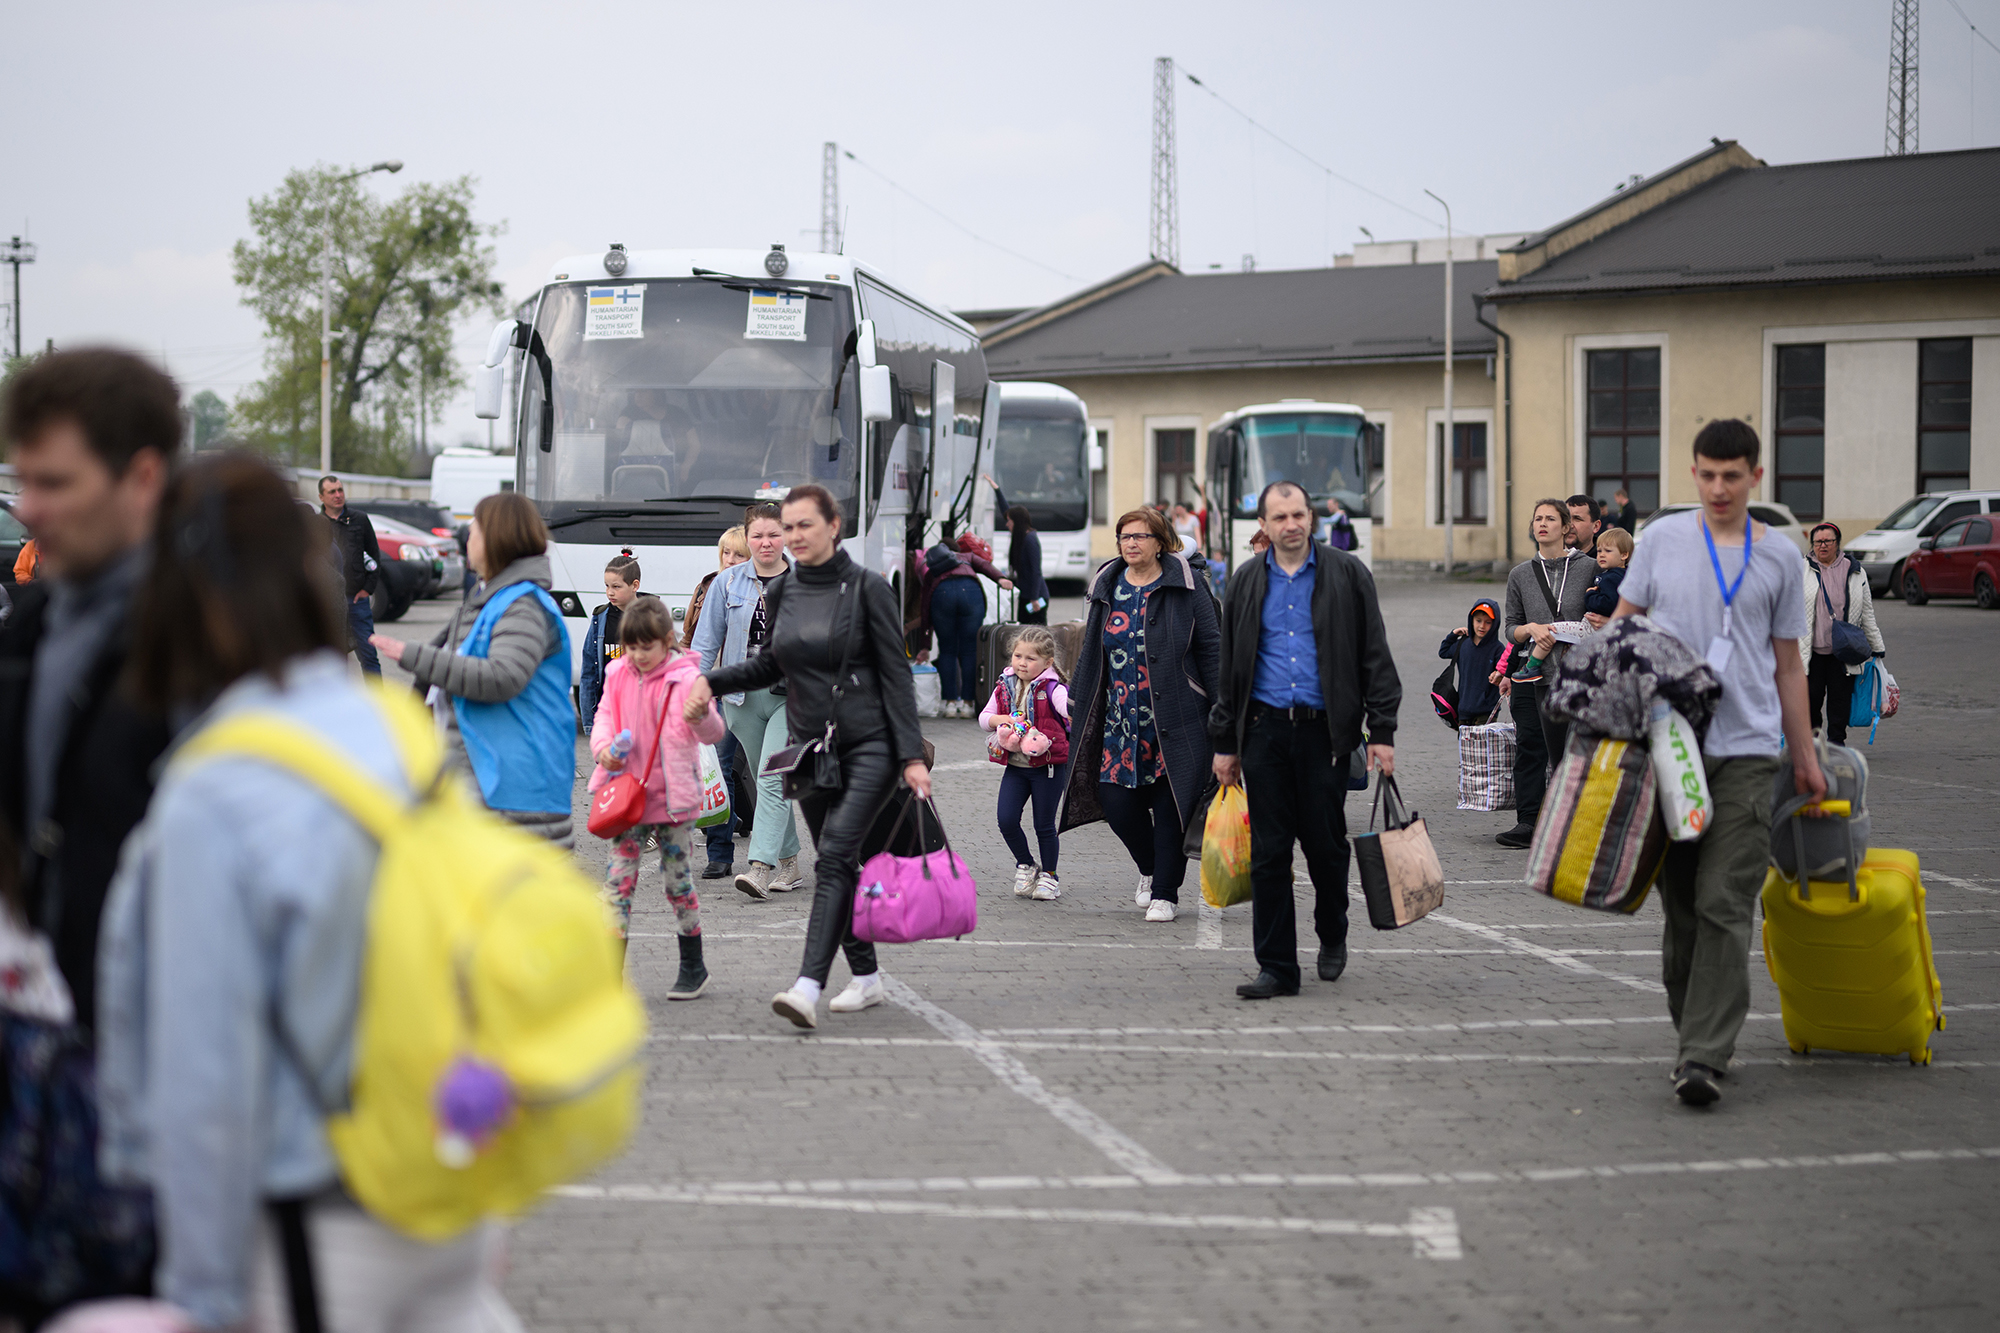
<point>786,877</point>
<point>790,1004</point>
<point>1024,881</point>
<point>857,997</point>
<point>1160,910</point>
<point>1145,893</point>
<point>1047,890</point>
<point>756,881</point>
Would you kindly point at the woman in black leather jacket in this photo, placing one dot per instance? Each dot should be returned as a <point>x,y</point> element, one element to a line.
<point>824,606</point>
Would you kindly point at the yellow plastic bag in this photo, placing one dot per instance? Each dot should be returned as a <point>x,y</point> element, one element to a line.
<point>1225,849</point>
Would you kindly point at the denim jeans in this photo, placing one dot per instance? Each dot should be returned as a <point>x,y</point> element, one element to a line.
<point>1044,787</point>
<point>360,625</point>
<point>958,606</point>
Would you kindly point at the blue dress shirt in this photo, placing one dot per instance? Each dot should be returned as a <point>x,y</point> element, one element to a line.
<point>1287,651</point>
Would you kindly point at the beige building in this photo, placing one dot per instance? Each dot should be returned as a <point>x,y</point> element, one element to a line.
<point>1850,311</point>
<point>1159,356</point>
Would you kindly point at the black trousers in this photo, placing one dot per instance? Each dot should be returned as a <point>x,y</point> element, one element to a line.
<point>1297,789</point>
<point>1148,822</point>
<point>839,820</point>
<point>1829,689</point>
<point>1538,745</point>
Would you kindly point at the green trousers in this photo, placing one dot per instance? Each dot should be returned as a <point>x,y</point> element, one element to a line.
<point>759,725</point>
<point>1709,889</point>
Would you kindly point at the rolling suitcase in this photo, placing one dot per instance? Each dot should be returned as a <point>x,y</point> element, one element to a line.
<point>1069,645</point>
<point>996,654</point>
<point>1852,959</point>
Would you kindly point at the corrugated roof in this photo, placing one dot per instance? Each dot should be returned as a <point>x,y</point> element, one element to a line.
<point>1223,321</point>
<point>1862,220</point>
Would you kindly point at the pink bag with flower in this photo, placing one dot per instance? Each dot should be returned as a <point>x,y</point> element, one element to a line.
<point>901,899</point>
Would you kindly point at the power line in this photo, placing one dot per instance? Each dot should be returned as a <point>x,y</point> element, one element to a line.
<point>953,221</point>
<point>1970,24</point>
<point>1344,180</point>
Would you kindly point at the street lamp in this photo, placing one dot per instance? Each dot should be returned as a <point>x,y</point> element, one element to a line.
<point>1450,437</point>
<point>325,324</point>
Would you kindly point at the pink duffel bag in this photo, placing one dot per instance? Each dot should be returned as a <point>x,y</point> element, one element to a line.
<point>900,899</point>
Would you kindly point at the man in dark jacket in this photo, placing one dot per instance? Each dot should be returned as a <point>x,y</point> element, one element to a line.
<point>1305,666</point>
<point>360,568</point>
<point>92,432</point>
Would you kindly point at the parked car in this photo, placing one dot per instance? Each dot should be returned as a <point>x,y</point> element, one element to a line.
<point>414,564</point>
<point>13,536</point>
<point>421,514</point>
<point>1774,516</point>
<point>1961,561</point>
<point>1884,550</point>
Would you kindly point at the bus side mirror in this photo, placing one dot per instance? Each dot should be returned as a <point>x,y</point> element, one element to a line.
<point>489,378</point>
<point>878,398</point>
<point>864,345</point>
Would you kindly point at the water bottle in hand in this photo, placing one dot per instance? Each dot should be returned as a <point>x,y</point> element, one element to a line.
<point>621,746</point>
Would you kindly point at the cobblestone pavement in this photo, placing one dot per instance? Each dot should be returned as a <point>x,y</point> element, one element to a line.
<point>1068,1121</point>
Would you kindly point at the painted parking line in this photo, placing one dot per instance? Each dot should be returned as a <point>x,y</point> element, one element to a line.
<point>1318,1180</point>
<point>1558,957</point>
<point>1433,1232</point>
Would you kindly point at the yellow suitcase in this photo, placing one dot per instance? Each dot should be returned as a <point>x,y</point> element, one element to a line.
<point>1853,962</point>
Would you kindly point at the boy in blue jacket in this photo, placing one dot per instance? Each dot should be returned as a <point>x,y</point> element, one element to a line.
<point>600,642</point>
<point>1477,650</point>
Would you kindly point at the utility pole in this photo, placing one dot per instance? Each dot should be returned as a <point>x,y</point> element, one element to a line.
<point>17,253</point>
<point>1900,136</point>
<point>326,321</point>
<point>1450,430</point>
<point>1166,235</point>
<point>829,200</point>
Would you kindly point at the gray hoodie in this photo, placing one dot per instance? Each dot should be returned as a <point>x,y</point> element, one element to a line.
<point>520,641</point>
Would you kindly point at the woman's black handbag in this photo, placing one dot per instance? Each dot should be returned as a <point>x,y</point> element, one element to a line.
<point>815,765</point>
<point>1850,642</point>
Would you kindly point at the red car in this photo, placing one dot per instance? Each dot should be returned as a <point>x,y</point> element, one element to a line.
<point>1961,561</point>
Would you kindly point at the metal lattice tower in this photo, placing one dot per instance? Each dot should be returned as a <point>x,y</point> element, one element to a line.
<point>829,201</point>
<point>1166,238</point>
<point>1901,134</point>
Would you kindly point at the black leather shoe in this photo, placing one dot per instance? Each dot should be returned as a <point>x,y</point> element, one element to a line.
<point>1264,987</point>
<point>1332,962</point>
<point>718,870</point>
<point>1521,835</point>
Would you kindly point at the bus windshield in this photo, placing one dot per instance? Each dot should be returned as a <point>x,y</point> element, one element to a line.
<point>690,389</point>
<point>1324,452</point>
<point>1040,465</point>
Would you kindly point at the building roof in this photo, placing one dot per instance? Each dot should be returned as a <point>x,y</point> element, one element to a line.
<point>1155,319</point>
<point>1862,220</point>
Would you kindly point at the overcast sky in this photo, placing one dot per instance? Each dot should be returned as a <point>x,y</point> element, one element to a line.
<point>137,132</point>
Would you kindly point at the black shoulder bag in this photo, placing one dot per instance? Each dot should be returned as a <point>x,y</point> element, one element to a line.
<point>815,764</point>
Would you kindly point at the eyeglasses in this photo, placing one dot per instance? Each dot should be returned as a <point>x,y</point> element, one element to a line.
<point>1136,537</point>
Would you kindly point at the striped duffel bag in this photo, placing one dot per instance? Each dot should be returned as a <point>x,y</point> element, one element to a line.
<point>1600,840</point>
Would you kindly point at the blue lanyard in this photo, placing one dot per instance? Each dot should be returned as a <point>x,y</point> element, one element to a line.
<point>1729,590</point>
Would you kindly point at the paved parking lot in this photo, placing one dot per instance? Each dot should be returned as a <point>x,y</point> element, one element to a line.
<point>1068,1121</point>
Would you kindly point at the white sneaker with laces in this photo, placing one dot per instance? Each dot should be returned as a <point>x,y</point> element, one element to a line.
<point>856,998</point>
<point>1047,890</point>
<point>1145,893</point>
<point>786,877</point>
<point>1160,910</point>
<point>1024,881</point>
<point>756,881</point>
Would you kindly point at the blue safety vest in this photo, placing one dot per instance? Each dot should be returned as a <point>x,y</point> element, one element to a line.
<point>521,747</point>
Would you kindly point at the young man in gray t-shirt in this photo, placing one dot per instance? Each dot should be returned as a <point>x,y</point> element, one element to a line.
<point>1731,590</point>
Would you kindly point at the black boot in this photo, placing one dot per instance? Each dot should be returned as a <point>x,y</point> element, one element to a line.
<point>693,979</point>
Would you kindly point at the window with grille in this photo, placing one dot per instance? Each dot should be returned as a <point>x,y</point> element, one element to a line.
<point>1944,414</point>
<point>1468,472</point>
<point>1622,438</point>
<point>1173,468</point>
<point>1801,442</point>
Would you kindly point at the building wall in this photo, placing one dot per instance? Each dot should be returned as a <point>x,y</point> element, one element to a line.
<point>1718,361</point>
<point>1403,397</point>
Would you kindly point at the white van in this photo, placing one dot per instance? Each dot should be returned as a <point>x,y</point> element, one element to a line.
<point>1882,549</point>
<point>462,477</point>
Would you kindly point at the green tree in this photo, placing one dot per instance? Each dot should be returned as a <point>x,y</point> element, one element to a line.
<point>404,271</point>
<point>208,419</point>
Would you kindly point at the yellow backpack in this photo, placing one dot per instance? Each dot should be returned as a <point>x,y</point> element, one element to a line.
<point>483,942</point>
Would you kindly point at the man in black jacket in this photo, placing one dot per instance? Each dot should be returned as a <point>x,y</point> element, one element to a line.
<point>1305,666</point>
<point>360,568</point>
<point>92,432</point>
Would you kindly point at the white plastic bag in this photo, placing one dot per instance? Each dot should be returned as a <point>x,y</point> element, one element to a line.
<point>930,690</point>
<point>714,791</point>
<point>1683,779</point>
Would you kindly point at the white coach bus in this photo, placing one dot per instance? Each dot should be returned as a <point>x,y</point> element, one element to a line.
<point>660,391</point>
<point>1042,461</point>
<point>1322,446</point>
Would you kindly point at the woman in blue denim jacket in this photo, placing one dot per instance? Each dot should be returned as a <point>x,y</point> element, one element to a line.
<point>230,957</point>
<point>733,626</point>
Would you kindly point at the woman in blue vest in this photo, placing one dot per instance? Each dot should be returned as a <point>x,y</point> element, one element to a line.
<point>500,673</point>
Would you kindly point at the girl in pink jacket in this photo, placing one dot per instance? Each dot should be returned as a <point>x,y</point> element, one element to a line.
<point>1028,715</point>
<point>643,689</point>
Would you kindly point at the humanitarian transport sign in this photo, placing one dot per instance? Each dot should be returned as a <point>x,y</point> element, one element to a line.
<point>775,314</point>
<point>615,312</point>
